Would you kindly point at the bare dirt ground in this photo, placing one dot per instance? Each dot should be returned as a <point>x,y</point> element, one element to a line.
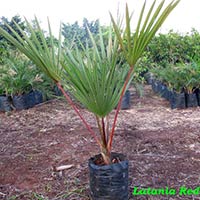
<point>162,145</point>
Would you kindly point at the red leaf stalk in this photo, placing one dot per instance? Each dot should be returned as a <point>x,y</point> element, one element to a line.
<point>109,145</point>
<point>78,113</point>
<point>104,131</point>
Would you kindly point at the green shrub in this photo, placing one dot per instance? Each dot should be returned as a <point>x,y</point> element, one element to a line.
<point>179,77</point>
<point>79,34</point>
<point>19,75</point>
<point>172,48</point>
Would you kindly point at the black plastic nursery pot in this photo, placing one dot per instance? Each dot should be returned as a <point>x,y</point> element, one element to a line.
<point>162,89</point>
<point>26,101</point>
<point>191,100</point>
<point>166,93</point>
<point>19,102</point>
<point>197,92</point>
<point>156,86</point>
<point>177,100</point>
<point>33,98</point>
<point>109,182</point>
<point>126,100</point>
<point>5,103</point>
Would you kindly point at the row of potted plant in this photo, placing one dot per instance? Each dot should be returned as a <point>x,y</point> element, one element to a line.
<point>95,78</point>
<point>19,102</point>
<point>179,84</point>
<point>22,85</point>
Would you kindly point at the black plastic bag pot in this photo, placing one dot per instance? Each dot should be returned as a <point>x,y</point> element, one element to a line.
<point>33,98</point>
<point>26,101</point>
<point>126,100</point>
<point>109,182</point>
<point>177,100</point>
<point>30,99</point>
<point>19,102</point>
<point>197,92</point>
<point>166,93</point>
<point>38,97</point>
<point>156,86</point>
<point>160,87</point>
<point>163,91</point>
<point>191,100</point>
<point>5,104</point>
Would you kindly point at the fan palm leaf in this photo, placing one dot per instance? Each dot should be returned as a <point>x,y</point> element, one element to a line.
<point>133,45</point>
<point>95,78</point>
<point>36,48</point>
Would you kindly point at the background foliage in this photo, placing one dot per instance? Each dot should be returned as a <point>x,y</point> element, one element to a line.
<point>171,56</point>
<point>172,48</point>
<point>76,33</point>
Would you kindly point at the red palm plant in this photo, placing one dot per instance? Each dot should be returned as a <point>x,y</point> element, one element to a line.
<point>93,76</point>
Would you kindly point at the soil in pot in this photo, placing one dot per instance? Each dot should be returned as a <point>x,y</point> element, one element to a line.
<point>109,182</point>
<point>5,103</point>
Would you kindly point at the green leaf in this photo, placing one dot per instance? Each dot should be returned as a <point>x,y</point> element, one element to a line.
<point>147,26</point>
<point>94,76</point>
<point>36,48</point>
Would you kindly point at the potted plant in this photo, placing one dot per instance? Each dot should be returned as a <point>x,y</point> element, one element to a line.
<point>94,79</point>
<point>19,80</point>
<point>191,77</point>
<point>5,99</point>
<point>171,81</point>
<point>182,82</point>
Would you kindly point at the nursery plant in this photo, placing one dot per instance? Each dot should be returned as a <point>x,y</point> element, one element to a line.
<point>22,82</point>
<point>171,48</point>
<point>18,77</point>
<point>94,78</point>
<point>180,81</point>
<point>180,77</point>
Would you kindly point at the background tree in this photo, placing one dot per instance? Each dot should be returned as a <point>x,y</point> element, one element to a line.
<point>17,19</point>
<point>74,33</point>
<point>5,45</point>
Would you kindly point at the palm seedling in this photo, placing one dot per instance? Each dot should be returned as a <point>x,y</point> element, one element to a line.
<point>93,75</point>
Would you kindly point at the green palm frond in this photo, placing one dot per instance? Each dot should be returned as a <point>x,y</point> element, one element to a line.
<point>133,45</point>
<point>96,78</point>
<point>36,48</point>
